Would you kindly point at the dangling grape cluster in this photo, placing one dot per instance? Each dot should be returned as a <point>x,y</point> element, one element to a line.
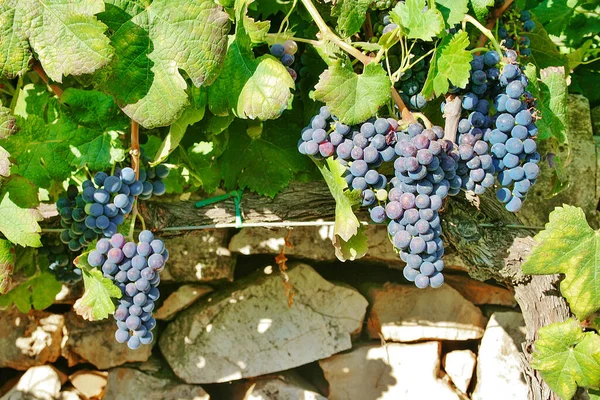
<point>513,29</point>
<point>426,173</point>
<point>135,269</point>
<point>383,4</point>
<point>285,53</point>
<point>60,260</point>
<point>151,178</point>
<point>72,218</point>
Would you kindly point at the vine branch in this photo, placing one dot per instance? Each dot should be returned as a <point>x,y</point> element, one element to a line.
<point>484,31</point>
<point>452,111</point>
<point>497,14</point>
<point>135,148</point>
<point>37,67</point>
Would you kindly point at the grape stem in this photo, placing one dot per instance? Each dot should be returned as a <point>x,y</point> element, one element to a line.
<point>135,148</point>
<point>423,118</point>
<point>37,67</point>
<point>484,31</point>
<point>497,14</point>
<point>274,38</point>
<point>452,111</point>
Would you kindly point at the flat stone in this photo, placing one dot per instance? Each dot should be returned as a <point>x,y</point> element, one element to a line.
<point>180,299</point>
<point>285,386</point>
<point>69,395</point>
<point>479,293</point>
<point>249,329</point>
<point>403,313</point>
<point>200,256</point>
<point>131,384</point>
<point>499,371</point>
<point>40,383</point>
<point>460,365</point>
<point>94,342</point>
<point>389,372</point>
<point>28,340</point>
<point>89,383</point>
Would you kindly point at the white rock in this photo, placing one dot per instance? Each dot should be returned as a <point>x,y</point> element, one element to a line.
<point>180,299</point>
<point>89,383</point>
<point>249,330</point>
<point>41,383</point>
<point>27,340</point>
<point>286,386</point>
<point>69,395</point>
<point>499,370</point>
<point>459,365</point>
<point>404,313</point>
<point>390,372</point>
<point>131,384</point>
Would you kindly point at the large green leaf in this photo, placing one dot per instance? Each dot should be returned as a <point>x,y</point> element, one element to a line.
<point>453,11</point>
<point>7,264</point>
<point>18,224</point>
<point>452,63</point>
<point>567,357</point>
<point>351,97</point>
<point>96,302</point>
<point>65,35</point>
<point>351,15</point>
<point>544,52</point>
<point>569,246</point>
<point>417,20</point>
<point>153,43</point>
<point>7,122</point>
<point>481,7</point>
<point>37,292</point>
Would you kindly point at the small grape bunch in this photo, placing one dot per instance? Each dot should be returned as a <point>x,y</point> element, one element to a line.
<point>151,178</point>
<point>285,53</point>
<point>71,208</point>
<point>60,260</point>
<point>513,31</point>
<point>135,268</point>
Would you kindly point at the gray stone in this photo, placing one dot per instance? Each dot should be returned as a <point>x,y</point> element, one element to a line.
<point>180,299</point>
<point>499,370</point>
<point>459,365</point>
<point>131,384</point>
<point>403,313</point>
<point>200,256</point>
<point>478,292</point>
<point>285,386</point>
<point>28,340</point>
<point>38,383</point>
<point>94,342</point>
<point>389,372</point>
<point>258,327</point>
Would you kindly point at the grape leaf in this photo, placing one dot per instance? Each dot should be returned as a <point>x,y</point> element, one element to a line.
<point>551,93</point>
<point>451,63</point>
<point>19,225</point>
<point>154,42</point>
<point>351,97</point>
<point>7,122</point>
<point>555,14</point>
<point>544,52</point>
<point>96,302</point>
<point>65,35</point>
<point>21,191</point>
<point>569,246</point>
<point>567,357</point>
<point>351,15</point>
<point>481,7</point>
<point>7,264</point>
<point>453,10</point>
<point>354,248</point>
<point>32,99</point>
<point>257,30</point>
<point>4,163</point>
<point>93,109</point>
<point>417,21</point>
<point>37,292</point>
<point>346,224</point>
<point>594,394</point>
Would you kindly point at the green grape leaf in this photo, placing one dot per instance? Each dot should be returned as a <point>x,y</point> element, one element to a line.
<point>154,42</point>
<point>418,22</point>
<point>551,93</point>
<point>21,191</point>
<point>354,248</point>
<point>567,357</point>
<point>257,30</point>
<point>65,35</point>
<point>544,52</point>
<point>351,15</point>
<point>555,14</point>
<point>250,87</point>
<point>594,394</point>
<point>7,264</point>
<point>37,292</point>
<point>569,246</point>
<point>18,224</point>
<point>351,97</point>
<point>203,159</point>
<point>32,100</point>
<point>93,109</point>
<point>453,10</point>
<point>246,161</point>
<point>190,116</point>
<point>4,163</point>
<point>96,302</point>
<point>481,7</point>
<point>346,224</point>
<point>452,62</point>
<point>7,122</point>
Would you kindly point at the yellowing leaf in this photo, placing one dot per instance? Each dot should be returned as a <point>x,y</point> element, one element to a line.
<point>96,302</point>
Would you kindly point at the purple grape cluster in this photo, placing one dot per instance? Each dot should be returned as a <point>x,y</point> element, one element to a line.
<point>425,173</point>
<point>285,53</point>
<point>135,269</point>
<point>60,260</point>
<point>72,219</point>
<point>151,178</point>
<point>513,30</point>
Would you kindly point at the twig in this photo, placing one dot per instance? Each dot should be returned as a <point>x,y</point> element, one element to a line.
<point>405,112</point>
<point>452,111</point>
<point>368,27</point>
<point>497,14</point>
<point>484,31</point>
<point>37,67</point>
<point>135,148</point>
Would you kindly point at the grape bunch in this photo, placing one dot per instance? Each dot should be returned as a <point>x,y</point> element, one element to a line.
<point>513,144</point>
<point>425,173</point>
<point>383,4</point>
<point>362,149</point>
<point>60,260</point>
<point>71,208</point>
<point>151,178</point>
<point>135,269</point>
<point>513,29</point>
<point>285,53</point>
